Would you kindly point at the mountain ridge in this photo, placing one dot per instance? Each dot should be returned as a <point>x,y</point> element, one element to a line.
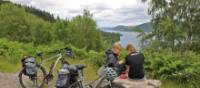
<point>146,27</point>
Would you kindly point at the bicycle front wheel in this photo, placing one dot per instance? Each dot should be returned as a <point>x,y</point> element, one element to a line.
<point>36,81</point>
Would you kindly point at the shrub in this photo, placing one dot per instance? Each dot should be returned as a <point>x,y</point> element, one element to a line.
<point>96,57</point>
<point>168,65</point>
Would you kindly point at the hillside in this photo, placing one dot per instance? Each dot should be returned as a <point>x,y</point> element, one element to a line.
<point>40,13</point>
<point>146,27</point>
<point>30,25</point>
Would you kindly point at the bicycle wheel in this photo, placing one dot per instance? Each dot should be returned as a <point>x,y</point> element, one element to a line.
<point>36,81</point>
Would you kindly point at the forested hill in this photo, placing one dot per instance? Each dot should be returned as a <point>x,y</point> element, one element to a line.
<point>43,14</point>
<point>30,25</point>
<point>146,27</point>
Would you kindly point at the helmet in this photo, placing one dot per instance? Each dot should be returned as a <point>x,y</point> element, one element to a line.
<point>111,74</point>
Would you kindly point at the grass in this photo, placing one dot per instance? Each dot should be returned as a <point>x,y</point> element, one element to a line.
<point>171,84</point>
<point>7,67</point>
<point>90,70</point>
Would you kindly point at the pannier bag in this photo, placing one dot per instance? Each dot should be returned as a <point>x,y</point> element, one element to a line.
<point>30,66</point>
<point>63,77</point>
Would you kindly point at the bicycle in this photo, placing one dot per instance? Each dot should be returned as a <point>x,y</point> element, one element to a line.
<point>34,75</point>
<point>80,82</point>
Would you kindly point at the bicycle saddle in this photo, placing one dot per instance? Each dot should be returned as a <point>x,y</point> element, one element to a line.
<point>80,67</point>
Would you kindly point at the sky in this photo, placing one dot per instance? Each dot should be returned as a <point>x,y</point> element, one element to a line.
<point>107,13</point>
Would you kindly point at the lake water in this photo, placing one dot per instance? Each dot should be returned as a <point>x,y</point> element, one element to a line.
<point>126,37</point>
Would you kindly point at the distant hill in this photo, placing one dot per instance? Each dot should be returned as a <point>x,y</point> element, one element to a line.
<point>118,28</point>
<point>122,28</point>
<point>146,27</point>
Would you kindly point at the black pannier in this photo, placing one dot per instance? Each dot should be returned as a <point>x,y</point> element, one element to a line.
<point>30,66</point>
<point>68,75</point>
<point>63,77</point>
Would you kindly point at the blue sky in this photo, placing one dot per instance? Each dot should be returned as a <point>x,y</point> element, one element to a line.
<point>107,13</point>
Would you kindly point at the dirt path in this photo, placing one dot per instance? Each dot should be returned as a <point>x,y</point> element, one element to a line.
<point>9,80</point>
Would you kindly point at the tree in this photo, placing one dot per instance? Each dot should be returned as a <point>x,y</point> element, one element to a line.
<point>175,23</point>
<point>19,24</point>
<point>83,32</point>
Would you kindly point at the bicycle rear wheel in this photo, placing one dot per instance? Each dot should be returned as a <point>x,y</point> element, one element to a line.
<point>36,81</point>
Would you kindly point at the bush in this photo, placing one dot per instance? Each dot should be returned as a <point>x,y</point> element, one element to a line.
<point>79,53</point>
<point>168,65</point>
<point>97,57</point>
<point>12,52</point>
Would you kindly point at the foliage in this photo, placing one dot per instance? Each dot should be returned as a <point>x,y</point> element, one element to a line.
<point>180,68</point>
<point>111,37</point>
<point>12,52</point>
<point>175,24</point>
<point>84,33</point>
<point>171,49</point>
<point>15,24</point>
<point>81,31</point>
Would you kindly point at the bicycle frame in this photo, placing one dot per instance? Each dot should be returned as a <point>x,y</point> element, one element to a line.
<point>96,83</point>
<point>49,75</point>
<point>59,56</point>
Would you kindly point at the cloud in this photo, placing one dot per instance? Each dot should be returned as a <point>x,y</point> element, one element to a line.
<point>105,12</point>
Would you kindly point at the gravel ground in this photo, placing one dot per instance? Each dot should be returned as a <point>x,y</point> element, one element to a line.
<point>9,80</point>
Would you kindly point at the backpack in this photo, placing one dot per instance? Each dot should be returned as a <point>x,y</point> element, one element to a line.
<point>30,66</point>
<point>111,59</point>
<point>63,77</point>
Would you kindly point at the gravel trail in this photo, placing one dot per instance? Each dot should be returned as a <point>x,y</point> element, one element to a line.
<point>8,80</point>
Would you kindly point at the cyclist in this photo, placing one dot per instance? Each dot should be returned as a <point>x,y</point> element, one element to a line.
<point>112,60</point>
<point>135,61</point>
<point>112,56</point>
